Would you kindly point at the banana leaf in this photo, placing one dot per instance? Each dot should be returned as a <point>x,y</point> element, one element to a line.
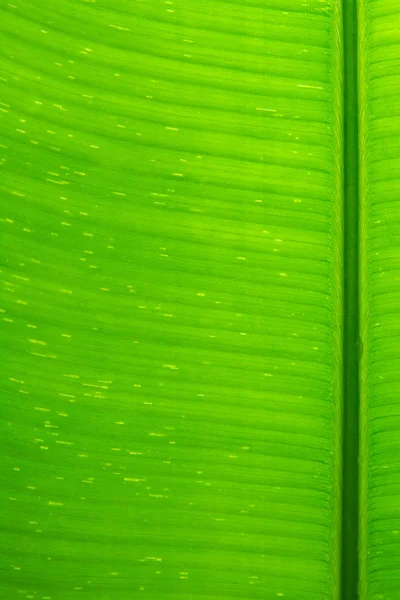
<point>173,299</point>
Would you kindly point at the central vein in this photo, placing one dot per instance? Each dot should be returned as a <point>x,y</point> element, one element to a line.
<point>351,348</point>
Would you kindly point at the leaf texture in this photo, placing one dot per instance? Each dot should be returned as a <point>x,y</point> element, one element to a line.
<point>380,294</point>
<point>172,263</point>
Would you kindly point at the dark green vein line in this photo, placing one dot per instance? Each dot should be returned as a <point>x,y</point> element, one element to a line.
<point>351,346</point>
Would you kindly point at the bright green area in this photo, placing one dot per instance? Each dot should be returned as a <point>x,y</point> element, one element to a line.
<point>380,299</point>
<point>172,305</point>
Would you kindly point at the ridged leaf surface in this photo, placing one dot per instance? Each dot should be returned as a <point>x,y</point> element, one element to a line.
<point>172,234</point>
<point>380,295</point>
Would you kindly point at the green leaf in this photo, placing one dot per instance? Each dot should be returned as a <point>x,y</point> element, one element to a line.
<point>380,293</point>
<point>172,230</point>
<point>180,299</point>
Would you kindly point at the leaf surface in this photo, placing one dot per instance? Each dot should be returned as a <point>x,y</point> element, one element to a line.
<point>172,263</point>
<point>380,293</point>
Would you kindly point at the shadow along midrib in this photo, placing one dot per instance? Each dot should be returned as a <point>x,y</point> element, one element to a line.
<point>351,348</point>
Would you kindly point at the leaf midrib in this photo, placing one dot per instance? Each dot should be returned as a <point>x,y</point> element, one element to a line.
<point>351,345</point>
